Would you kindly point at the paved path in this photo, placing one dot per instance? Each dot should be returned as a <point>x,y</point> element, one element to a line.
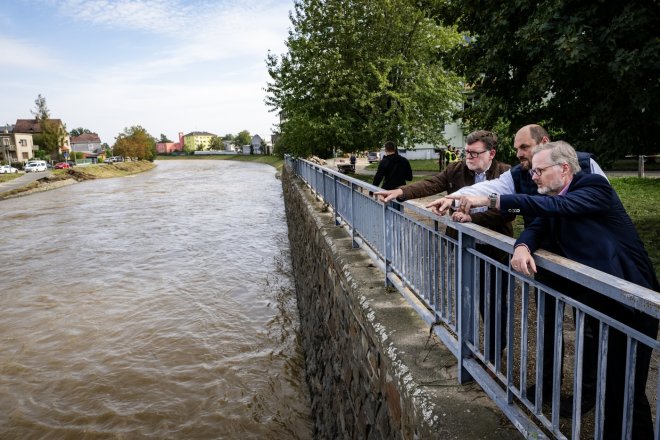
<point>22,181</point>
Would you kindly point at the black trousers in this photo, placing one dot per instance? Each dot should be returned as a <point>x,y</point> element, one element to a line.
<point>490,289</point>
<point>616,356</point>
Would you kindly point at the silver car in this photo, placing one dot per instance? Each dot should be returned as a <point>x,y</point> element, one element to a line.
<point>34,166</point>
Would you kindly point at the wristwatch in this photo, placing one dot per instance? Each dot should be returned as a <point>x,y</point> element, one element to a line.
<point>493,200</point>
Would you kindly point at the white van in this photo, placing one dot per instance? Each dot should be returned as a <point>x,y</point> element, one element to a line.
<point>35,165</point>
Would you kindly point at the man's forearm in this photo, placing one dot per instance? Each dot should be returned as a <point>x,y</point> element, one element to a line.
<point>501,185</point>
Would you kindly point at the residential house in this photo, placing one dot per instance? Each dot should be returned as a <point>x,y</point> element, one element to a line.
<point>89,144</point>
<point>197,140</point>
<point>170,147</point>
<point>33,127</point>
<point>86,143</point>
<point>256,144</point>
<point>16,147</point>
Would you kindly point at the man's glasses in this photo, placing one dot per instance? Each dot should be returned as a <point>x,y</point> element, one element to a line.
<point>474,154</point>
<point>539,171</point>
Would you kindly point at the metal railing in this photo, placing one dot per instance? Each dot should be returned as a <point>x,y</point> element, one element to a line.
<point>512,334</point>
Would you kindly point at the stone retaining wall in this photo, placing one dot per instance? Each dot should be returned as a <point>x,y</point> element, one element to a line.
<point>372,367</point>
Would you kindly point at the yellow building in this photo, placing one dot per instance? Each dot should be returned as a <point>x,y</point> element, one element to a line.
<point>197,140</point>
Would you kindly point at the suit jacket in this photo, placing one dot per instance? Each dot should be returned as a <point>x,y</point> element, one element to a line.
<point>456,176</point>
<point>395,169</point>
<point>589,225</point>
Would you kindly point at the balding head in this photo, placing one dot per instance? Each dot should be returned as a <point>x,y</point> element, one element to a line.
<point>525,140</point>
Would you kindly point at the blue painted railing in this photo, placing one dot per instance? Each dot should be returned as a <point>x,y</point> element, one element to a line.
<point>441,273</point>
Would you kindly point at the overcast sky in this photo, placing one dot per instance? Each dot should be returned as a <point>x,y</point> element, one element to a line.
<point>168,65</point>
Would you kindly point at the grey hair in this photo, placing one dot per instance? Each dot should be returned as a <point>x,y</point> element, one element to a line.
<point>560,152</point>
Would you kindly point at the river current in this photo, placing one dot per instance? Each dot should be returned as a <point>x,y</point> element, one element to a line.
<point>156,306</point>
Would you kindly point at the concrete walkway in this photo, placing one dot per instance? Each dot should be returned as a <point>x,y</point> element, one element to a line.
<point>22,181</point>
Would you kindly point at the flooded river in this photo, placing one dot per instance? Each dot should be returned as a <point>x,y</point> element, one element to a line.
<point>155,306</point>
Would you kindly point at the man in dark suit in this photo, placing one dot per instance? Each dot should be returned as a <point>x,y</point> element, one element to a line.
<point>586,222</point>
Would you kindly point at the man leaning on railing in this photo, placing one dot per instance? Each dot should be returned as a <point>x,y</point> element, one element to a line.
<point>586,222</point>
<point>518,181</point>
<point>479,165</point>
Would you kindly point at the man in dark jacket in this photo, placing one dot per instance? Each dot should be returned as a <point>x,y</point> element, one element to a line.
<point>479,165</point>
<point>586,222</point>
<point>393,168</point>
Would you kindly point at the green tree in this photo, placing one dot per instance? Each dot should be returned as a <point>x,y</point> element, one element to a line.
<point>52,134</point>
<point>588,71</point>
<point>358,72</point>
<point>242,138</point>
<point>41,111</point>
<point>78,131</point>
<point>164,139</point>
<point>135,142</point>
<point>216,143</point>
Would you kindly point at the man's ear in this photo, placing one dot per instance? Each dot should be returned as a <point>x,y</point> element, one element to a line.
<point>544,140</point>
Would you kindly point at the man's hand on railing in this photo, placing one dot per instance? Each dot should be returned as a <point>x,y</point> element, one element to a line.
<point>468,202</point>
<point>522,260</point>
<point>461,217</point>
<point>440,206</point>
<point>386,196</point>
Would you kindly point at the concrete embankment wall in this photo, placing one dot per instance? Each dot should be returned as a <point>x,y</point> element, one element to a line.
<point>372,368</point>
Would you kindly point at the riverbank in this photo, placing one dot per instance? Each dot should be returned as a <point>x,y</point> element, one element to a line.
<point>60,178</point>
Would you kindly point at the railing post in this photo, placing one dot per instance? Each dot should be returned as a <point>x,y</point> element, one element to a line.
<point>465,297</point>
<point>352,195</point>
<point>640,166</point>
<point>387,244</point>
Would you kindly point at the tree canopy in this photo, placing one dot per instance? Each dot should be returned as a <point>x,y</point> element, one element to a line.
<point>588,71</point>
<point>41,110</point>
<point>78,131</point>
<point>135,142</point>
<point>242,138</point>
<point>359,72</point>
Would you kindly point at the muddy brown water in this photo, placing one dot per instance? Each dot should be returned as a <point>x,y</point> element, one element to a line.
<point>154,306</point>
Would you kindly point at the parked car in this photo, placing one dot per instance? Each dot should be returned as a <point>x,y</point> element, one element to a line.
<point>35,165</point>
<point>113,159</point>
<point>373,156</point>
<point>62,165</point>
<point>7,169</point>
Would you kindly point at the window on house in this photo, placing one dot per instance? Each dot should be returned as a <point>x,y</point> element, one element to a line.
<point>25,156</point>
<point>23,142</point>
<point>5,142</point>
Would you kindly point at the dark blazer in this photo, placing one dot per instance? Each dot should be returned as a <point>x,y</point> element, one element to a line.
<point>589,225</point>
<point>395,169</point>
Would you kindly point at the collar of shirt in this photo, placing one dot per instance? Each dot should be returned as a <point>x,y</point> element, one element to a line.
<point>565,189</point>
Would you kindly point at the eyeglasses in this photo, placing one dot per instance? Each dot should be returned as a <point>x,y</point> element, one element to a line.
<point>474,154</point>
<point>538,171</point>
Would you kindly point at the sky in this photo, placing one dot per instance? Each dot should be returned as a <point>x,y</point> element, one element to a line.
<point>169,66</point>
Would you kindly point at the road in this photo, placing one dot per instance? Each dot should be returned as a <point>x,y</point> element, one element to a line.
<point>22,181</point>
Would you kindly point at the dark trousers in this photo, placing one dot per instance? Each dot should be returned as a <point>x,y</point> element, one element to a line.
<point>491,290</point>
<point>616,356</point>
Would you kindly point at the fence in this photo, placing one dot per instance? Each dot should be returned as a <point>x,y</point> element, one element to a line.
<point>512,334</point>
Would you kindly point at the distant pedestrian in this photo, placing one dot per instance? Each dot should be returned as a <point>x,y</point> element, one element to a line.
<point>393,169</point>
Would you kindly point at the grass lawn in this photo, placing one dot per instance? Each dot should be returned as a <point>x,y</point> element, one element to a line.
<point>9,176</point>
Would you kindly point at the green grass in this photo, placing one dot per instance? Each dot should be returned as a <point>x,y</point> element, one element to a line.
<point>9,176</point>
